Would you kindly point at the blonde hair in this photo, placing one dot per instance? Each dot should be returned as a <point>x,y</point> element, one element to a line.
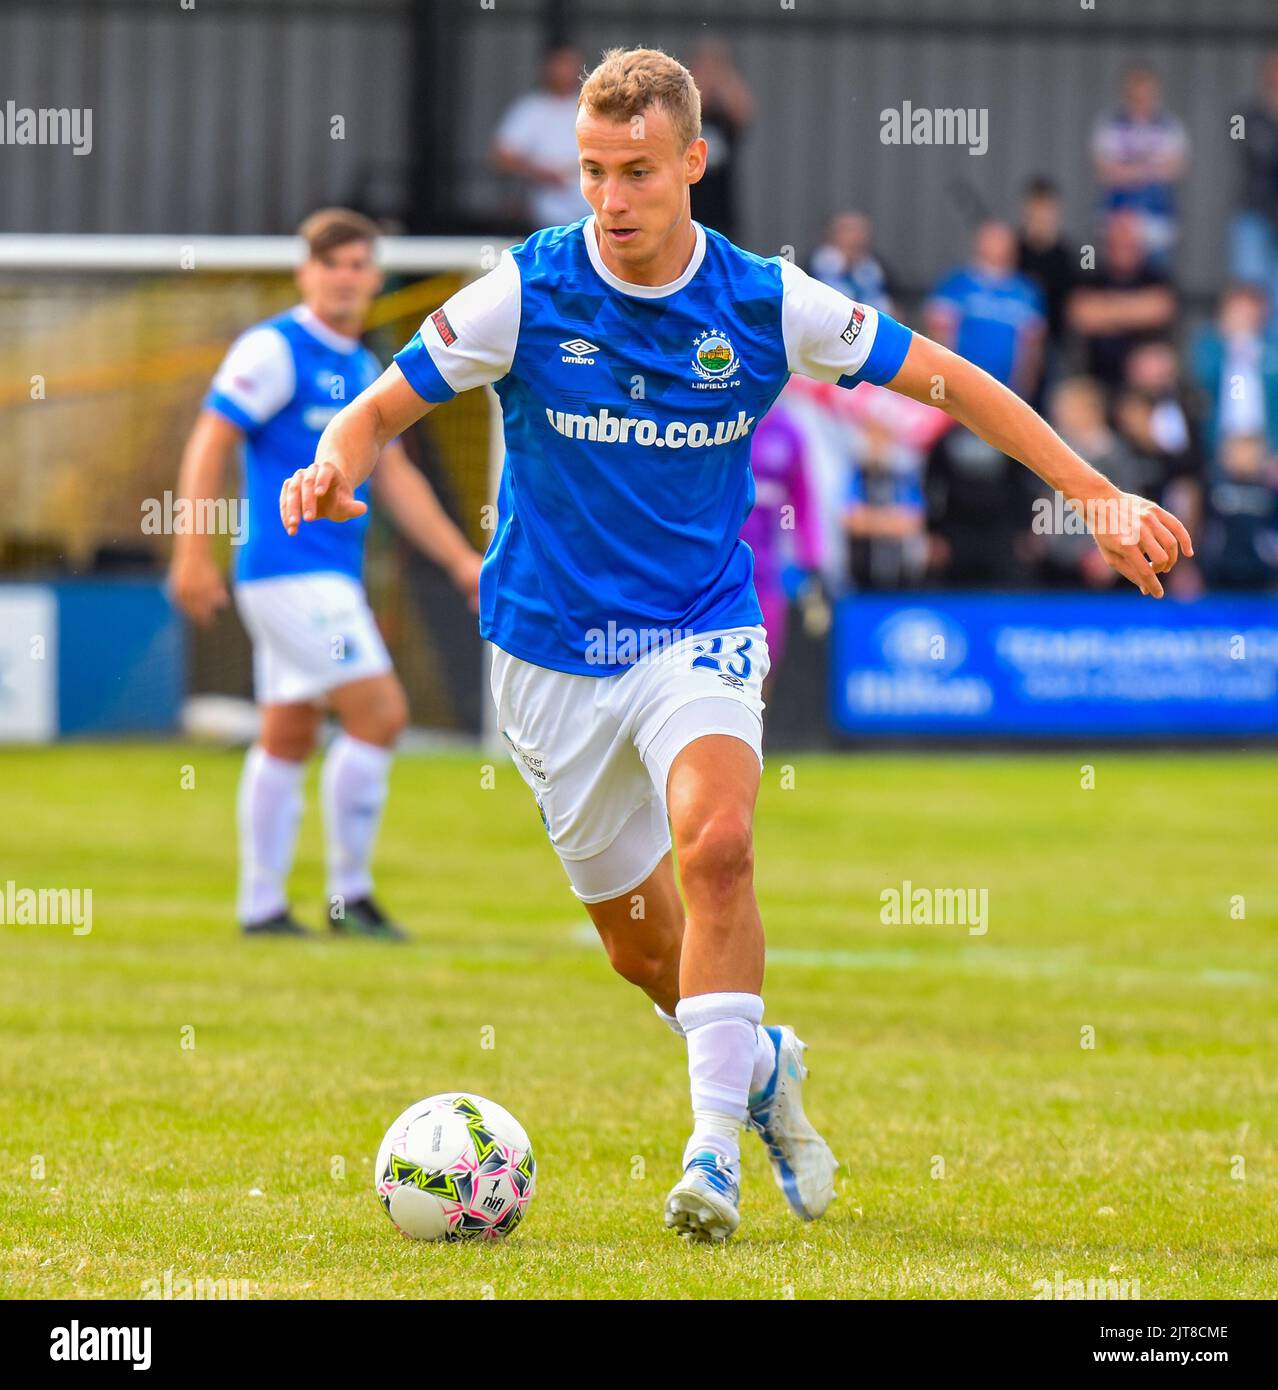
<point>629,80</point>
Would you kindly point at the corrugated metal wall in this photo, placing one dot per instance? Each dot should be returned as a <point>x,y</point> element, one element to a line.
<point>218,119</point>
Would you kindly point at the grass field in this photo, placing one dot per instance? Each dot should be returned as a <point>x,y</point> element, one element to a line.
<point>984,1146</point>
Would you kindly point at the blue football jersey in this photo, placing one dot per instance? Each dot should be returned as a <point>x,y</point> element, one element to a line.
<point>628,414</point>
<point>281,383</point>
<point>995,314</point>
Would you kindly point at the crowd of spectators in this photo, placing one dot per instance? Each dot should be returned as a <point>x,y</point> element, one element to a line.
<point>1095,334</point>
<point>1091,329</point>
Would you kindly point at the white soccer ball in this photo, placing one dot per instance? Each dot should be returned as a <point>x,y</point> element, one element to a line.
<point>456,1167</point>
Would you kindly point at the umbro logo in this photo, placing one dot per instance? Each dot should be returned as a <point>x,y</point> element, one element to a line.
<point>579,350</point>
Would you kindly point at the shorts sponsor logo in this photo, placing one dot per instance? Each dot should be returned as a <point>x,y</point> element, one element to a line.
<point>534,762</point>
<point>603,427</point>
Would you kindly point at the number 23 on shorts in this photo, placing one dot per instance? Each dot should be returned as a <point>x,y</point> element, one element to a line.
<point>725,656</point>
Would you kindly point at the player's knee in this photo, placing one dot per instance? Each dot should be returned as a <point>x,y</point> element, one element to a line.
<point>379,720</point>
<point>291,739</point>
<point>644,967</point>
<point>719,854</point>
<point>394,715</point>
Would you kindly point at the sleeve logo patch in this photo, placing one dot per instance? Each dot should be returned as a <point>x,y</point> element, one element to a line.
<point>855,324</point>
<point>443,328</point>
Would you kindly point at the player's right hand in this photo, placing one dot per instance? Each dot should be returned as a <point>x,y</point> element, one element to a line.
<point>198,588</point>
<point>321,490</point>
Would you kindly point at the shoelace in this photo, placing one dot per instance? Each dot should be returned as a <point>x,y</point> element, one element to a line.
<point>719,1176</point>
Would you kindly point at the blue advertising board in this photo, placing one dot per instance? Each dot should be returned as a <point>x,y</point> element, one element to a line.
<point>1055,666</point>
<point>89,657</point>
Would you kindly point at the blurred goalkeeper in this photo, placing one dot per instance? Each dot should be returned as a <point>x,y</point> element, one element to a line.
<point>315,640</point>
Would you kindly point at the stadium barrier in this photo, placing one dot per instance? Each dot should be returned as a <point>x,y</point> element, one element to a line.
<point>1055,666</point>
<point>92,657</point>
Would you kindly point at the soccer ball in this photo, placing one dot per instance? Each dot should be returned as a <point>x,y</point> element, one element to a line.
<point>455,1167</point>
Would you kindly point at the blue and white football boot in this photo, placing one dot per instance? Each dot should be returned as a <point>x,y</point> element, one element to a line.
<point>802,1162</point>
<point>702,1205</point>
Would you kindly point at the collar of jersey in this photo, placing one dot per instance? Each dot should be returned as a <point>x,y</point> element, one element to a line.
<point>317,328</point>
<point>642,291</point>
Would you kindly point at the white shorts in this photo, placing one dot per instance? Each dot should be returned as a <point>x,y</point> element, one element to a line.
<point>596,750</point>
<point>311,633</point>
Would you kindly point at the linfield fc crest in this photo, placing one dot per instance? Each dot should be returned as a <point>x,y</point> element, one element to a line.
<point>714,358</point>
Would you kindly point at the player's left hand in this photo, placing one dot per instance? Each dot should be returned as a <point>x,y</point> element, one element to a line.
<point>1139,540</point>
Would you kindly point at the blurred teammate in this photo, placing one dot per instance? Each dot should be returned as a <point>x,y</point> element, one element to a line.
<point>315,640</point>
<point>634,352</point>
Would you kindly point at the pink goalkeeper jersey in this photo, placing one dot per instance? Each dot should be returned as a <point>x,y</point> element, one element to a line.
<point>782,527</point>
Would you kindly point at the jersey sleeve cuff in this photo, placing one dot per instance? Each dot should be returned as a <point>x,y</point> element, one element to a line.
<point>227,408</point>
<point>887,352</point>
<point>421,373</point>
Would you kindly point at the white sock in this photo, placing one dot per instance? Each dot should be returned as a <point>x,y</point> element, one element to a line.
<point>765,1060</point>
<point>670,1021</point>
<point>765,1054</point>
<point>269,809</point>
<point>722,1031</point>
<point>353,788</point>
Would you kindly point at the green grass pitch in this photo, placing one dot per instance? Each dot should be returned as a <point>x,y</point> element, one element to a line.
<point>985,1148</point>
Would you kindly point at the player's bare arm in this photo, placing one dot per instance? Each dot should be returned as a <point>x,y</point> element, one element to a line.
<point>1145,541</point>
<point>348,451</point>
<point>412,502</point>
<point>195,577</point>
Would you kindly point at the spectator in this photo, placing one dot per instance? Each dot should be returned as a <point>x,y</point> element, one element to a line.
<point>727,108</point>
<point>989,313</point>
<point>1153,371</point>
<point>1254,233</point>
<point>1123,303</point>
<point>537,142</point>
<point>1236,366</point>
<point>846,261</point>
<point>1044,257</point>
<point>1068,557</point>
<point>1139,153</point>
<point>977,506</point>
<point>1240,544</point>
<point>884,515</point>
